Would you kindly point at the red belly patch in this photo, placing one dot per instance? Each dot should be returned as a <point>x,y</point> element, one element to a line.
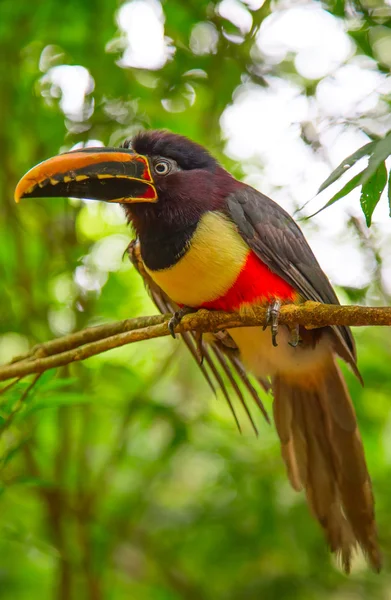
<point>256,283</point>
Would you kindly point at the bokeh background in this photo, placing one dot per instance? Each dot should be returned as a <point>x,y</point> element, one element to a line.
<point>124,477</point>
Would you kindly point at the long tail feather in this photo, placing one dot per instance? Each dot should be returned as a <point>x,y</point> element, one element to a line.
<point>221,358</point>
<point>323,453</point>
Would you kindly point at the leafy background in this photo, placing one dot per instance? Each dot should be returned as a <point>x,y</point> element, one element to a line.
<point>123,477</point>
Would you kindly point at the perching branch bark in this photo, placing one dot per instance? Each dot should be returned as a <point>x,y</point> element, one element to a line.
<point>95,340</point>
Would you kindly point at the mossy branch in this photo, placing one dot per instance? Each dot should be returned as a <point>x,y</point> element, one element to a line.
<point>95,340</point>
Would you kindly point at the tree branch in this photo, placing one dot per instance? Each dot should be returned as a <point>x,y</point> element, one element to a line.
<point>95,340</point>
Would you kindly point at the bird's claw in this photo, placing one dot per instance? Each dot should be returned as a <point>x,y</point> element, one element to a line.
<point>177,318</point>
<point>172,323</point>
<point>273,313</point>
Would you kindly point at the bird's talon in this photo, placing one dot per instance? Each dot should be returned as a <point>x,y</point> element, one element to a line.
<point>177,318</point>
<point>272,315</point>
<point>172,323</point>
<point>274,338</point>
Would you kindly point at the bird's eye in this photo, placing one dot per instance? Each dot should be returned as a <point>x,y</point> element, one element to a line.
<point>162,167</point>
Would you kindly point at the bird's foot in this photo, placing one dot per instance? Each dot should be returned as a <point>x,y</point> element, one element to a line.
<point>177,318</point>
<point>273,313</point>
<point>294,337</point>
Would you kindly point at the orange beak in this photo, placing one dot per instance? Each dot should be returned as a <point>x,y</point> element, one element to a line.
<point>108,174</point>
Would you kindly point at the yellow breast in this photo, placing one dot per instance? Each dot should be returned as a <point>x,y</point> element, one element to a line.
<point>208,269</point>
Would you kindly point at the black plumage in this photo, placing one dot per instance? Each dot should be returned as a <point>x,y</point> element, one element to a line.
<point>279,242</point>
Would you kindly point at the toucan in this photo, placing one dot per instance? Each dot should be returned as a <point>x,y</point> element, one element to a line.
<point>208,241</point>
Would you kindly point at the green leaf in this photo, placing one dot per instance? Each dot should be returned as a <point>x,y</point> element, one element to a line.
<point>371,192</point>
<point>381,152</point>
<point>347,188</point>
<point>346,164</point>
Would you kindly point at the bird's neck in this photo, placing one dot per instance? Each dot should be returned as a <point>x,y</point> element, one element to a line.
<point>163,249</point>
<point>209,265</point>
<point>166,228</point>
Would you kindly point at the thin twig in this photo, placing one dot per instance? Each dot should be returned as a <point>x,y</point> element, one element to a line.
<point>9,386</point>
<point>90,334</point>
<point>19,403</point>
<point>311,315</point>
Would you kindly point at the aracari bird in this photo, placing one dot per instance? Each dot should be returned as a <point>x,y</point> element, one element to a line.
<point>206,240</point>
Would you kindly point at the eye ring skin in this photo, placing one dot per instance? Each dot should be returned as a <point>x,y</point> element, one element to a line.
<point>162,167</point>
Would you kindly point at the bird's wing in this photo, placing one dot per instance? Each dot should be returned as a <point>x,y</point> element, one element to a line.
<point>219,353</point>
<point>278,241</point>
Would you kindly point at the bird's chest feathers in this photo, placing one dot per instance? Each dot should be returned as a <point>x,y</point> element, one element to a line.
<point>213,260</point>
<point>217,270</point>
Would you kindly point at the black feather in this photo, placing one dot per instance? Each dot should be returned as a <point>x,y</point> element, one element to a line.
<point>279,242</point>
<point>187,154</point>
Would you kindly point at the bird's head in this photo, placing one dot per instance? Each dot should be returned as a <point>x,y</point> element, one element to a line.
<point>158,177</point>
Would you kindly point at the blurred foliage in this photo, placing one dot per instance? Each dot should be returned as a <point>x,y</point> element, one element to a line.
<point>122,477</point>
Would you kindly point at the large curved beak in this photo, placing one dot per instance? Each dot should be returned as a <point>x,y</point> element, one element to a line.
<point>108,174</point>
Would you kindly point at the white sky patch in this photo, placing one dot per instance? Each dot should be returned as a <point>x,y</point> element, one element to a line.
<point>89,280</point>
<point>72,83</point>
<point>350,91</point>
<point>107,253</point>
<point>87,144</point>
<point>61,320</point>
<point>259,120</point>
<point>142,21</point>
<point>255,4</point>
<point>341,141</point>
<point>307,31</point>
<point>203,38</point>
<point>237,13</point>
